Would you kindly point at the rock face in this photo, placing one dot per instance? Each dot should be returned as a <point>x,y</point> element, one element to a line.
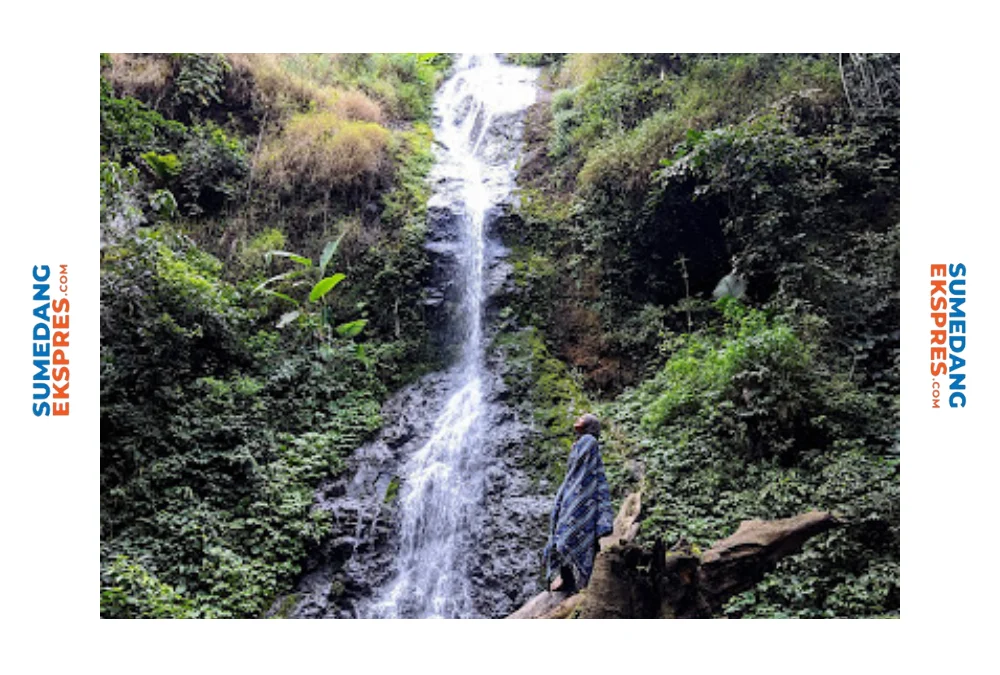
<point>503,555</point>
<point>443,294</point>
<point>357,555</point>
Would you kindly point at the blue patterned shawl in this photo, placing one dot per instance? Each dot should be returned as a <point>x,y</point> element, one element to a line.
<point>582,512</point>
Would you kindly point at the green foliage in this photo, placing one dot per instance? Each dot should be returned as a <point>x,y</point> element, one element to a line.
<point>547,390</point>
<point>812,220</point>
<point>536,60</point>
<point>757,383</point>
<point>252,259</point>
<point>745,422</point>
<point>788,181</point>
<point>217,428</point>
<point>563,100</point>
<point>129,128</point>
<point>351,328</point>
<point>565,122</point>
<point>165,167</point>
<point>395,266</point>
<point>199,81</point>
<point>214,167</point>
<point>742,166</point>
<point>311,312</point>
<point>208,466</point>
<point>692,91</point>
<point>392,492</point>
<point>201,165</point>
<point>324,286</point>
<point>406,202</point>
<point>119,199</point>
<point>403,83</point>
<point>633,155</point>
<point>129,590</point>
<point>328,252</point>
<point>851,571</point>
<point>163,204</point>
<point>271,239</point>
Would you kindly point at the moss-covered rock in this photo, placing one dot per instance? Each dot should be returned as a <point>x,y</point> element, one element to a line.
<point>544,388</point>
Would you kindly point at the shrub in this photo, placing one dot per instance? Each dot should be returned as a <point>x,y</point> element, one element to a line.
<point>165,167</point>
<point>563,100</point>
<point>129,129</point>
<point>213,166</point>
<point>214,435</point>
<point>356,106</point>
<point>744,421</point>
<point>321,152</point>
<point>565,123</point>
<point>810,217</point>
<point>128,590</point>
<point>251,258</point>
<point>755,383</point>
<point>142,76</point>
<point>581,68</point>
<point>121,208</point>
<point>199,82</point>
<point>275,87</point>
<point>406,203</point>
<point>202,165</point>
<point>626,161</point>
<point>403,83</point>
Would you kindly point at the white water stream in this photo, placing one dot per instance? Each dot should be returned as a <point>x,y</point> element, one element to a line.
<point>474,172</point>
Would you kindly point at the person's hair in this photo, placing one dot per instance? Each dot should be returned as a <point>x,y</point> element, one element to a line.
<point>588,424</point>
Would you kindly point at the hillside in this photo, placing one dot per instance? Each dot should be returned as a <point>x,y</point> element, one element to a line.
<point>707,250</point>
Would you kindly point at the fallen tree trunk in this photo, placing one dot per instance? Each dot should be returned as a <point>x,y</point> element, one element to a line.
<point>631,582</point>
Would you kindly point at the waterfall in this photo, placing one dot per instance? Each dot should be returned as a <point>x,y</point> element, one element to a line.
<point>442,481</point>
<point>463,533</point>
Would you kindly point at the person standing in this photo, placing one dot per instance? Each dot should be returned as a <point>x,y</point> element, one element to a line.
<point>582,512</point>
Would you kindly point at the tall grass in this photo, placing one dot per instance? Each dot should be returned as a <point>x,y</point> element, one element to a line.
<point>713,92</point>
<point>324,152</point>
<point>143,76</point>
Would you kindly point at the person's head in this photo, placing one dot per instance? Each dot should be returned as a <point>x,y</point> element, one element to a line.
<point>587,424</point>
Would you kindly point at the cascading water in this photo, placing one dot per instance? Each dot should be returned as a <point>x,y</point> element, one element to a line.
<point>463,533</point>
<point>443,481</point>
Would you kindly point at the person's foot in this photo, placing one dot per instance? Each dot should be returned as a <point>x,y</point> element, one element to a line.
<point>557,583</point>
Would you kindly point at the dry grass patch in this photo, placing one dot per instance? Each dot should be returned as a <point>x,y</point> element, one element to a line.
<point>324,152</point>
<point>142,76</point>
<point>285,87</point>
<point>278,89</point>
<point>355,105</point>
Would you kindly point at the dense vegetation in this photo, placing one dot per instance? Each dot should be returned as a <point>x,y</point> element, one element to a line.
<point>705,252</point>
<point>711,244</point>
<point>255,210</point>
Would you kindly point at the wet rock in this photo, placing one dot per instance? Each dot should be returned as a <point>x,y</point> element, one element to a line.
<point>502,535</point>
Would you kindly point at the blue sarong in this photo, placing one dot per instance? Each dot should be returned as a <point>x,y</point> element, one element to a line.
<point>582,513</point>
